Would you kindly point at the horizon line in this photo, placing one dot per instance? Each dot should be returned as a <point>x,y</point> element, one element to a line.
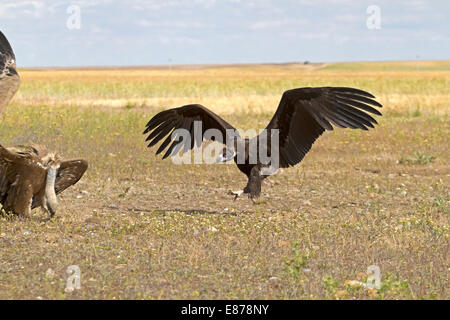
<point>222,65</point>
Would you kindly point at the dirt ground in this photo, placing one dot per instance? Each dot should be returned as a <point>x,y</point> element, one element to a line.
<point>138,227</point>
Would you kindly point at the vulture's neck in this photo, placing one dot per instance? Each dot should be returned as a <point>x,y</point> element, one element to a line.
<point>50,194</point>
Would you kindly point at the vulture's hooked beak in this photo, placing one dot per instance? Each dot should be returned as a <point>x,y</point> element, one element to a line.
<point>226,155</point>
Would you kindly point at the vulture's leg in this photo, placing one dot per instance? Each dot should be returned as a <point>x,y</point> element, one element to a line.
<point>253,187</point>
<point>47,209</point>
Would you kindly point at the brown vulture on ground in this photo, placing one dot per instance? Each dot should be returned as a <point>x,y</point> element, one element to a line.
<point>31,176</point>
<point>302,116</point>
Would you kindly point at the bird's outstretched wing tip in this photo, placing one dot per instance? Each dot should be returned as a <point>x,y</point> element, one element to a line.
<point>5,47</point>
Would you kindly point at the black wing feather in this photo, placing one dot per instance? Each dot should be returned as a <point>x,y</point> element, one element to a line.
<point>305,113</point>
<point>5,47</point>
<point>183,117</point>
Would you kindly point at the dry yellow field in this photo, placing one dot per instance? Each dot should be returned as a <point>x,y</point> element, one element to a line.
<point>142,228</point>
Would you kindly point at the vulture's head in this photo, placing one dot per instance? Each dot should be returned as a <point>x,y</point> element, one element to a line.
<point>51,161</point>
<point>226,155</point>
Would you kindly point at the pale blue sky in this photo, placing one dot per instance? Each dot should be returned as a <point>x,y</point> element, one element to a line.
<point>137,32</point>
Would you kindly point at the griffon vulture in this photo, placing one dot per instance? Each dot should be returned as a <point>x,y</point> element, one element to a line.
<point>31,176</point>
<point>302,116</point>
<point>9,78</point>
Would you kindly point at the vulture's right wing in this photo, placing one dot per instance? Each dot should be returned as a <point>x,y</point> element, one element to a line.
<point>9,162</point>
<point>9,168</point>
<point>18,167</point>
<point>9,78</point>
<point>165,122</point>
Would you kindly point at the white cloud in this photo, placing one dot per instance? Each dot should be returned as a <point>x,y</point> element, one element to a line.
<point>40,8</point>
<point>173,24</point>
<point>28,8</point>
<point>178,40</point>
<point>270,24</point>
<point>323,3</point>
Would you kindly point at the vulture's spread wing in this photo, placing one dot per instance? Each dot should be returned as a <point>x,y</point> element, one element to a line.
<point>9,78</point>
<point>69,173</point>
<point>5,48</point>
<point>6,173</point>
<point>15,163</point>
<point>9,164</point>
<point>184,117</point>
<point>305,113</point>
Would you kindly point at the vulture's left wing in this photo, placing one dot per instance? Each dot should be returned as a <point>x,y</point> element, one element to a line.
<point>9,78</point>
<point>305,113</point>
<point>69,173</point>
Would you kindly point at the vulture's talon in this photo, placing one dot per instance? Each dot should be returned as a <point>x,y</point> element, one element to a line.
<point>236,194</point>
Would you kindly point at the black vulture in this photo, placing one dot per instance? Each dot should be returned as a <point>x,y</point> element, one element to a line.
<point>302,116</point>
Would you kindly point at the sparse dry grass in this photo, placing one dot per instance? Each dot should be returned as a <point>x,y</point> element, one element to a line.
<point>146,228</point>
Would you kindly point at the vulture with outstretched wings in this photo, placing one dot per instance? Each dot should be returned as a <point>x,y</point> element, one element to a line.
<point>302,116</point>
<point>31,176</point>
<point>9,78</point>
